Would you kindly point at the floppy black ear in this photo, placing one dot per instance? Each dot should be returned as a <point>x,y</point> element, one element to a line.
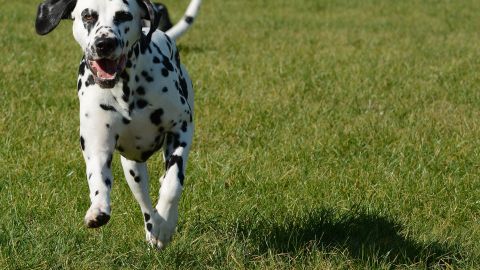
<point>50,12</point>
<point>151,15</point>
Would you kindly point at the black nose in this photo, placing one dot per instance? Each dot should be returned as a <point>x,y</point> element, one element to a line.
<point>105,46</point>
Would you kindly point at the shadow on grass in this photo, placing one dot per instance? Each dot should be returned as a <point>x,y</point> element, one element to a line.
<point>367,237</point>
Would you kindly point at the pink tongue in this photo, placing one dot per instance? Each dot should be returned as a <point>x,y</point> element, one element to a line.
<point>106,69</point>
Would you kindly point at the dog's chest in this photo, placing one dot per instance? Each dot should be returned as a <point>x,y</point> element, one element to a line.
<point>151,99</point>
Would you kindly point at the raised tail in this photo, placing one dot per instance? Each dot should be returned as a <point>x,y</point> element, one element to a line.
<point>187,20</point>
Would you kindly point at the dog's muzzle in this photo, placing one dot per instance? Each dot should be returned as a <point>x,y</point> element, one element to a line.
<point>104,66</point>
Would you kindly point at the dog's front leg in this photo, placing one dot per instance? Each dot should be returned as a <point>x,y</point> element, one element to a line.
<point>98,148</point>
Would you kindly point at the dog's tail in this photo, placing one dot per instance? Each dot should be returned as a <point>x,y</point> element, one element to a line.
<point>184,24</point>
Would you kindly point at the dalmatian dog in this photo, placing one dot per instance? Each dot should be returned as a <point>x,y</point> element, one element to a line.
<point>135,97</point>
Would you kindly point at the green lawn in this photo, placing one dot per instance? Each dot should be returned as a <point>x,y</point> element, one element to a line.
<point>330,135</point>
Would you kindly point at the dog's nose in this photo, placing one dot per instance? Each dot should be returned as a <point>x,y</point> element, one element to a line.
<point>105,46</point>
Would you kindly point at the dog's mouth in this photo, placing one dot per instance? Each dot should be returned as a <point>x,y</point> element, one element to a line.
<point>105,71</point>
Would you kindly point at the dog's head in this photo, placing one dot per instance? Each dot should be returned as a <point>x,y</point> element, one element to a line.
<point>105,29</point>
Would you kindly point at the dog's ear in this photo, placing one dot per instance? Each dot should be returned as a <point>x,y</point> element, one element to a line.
<point>152,15</point>
<point>50,12</point>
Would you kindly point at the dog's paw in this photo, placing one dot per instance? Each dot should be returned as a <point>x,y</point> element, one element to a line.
<point>159,231</point>
<point>95,217</point>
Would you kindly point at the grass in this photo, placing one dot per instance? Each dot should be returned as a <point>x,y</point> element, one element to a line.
<point>330,135</point>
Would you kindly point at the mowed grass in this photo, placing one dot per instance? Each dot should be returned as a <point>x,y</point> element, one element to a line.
<point>329,135</point>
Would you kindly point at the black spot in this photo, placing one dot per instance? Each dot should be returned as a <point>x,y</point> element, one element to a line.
<point>109,161</point>
<point>107,107</point>
<point>90,81</point>
<point>142,103</point>
<point>136,78</point>
<point>165,89</point>
<point>165,72</point>
<point>82,143</point>
<point>79,85</point>
<point>90,176</point>
<point>178,160</point>
<point>120,148</point>
<point>81,68</point>
<point>126,31</point>
<point>141,90</point>
<point>189,19</point>
<point>183,144</point>
<point>137,179</point>
<point>146,216</point>
<point>184,126</point>
<point>149,227</point>
<point>107,125</point>
<point>136,50</point>
<point>126,2</point>
<point>126,92</point>
<point>125,121</point>
<point>132,173</point>
<point>122,16</point>
<point>108,182</point>
<point>182,100</point>
<point>156,60</point>
<point>156,117</point>
<point>167,63</point>
<point>96,193</point>
<point>147,76</point>
<point>116,137</point>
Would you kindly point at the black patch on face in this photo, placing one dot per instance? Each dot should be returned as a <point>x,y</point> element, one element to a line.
<point>108,107</point>
<point>146,217</point>
<point>82,143</point>
<point>89,18</point>
<point>121,17</point>
<point>156,117</point>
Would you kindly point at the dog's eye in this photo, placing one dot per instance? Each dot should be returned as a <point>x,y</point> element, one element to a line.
<point>88,18</point>
<point>122,16</point>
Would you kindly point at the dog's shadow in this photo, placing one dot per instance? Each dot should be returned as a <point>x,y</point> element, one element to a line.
<point>365,236</point>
